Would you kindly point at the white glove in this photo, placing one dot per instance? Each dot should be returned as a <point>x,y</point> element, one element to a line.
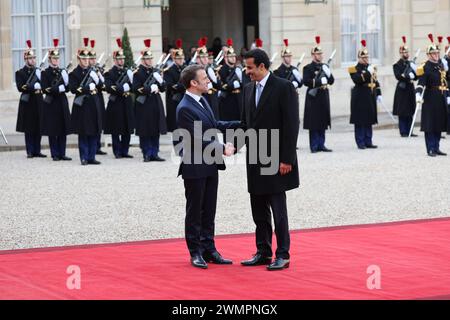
<point>92,86</point>
<point>158,78</point>
<point>94,77</point>
<point>445,63</point>
<point>413,66</point>
<point>418,98</point>
<point>236,84</point>
<point>324,81</point>
<point>38,74</point>
<point>448,100</point>
<point>371,69</point>
<point>380,99</point>
<point>295,83</point>
<point>212,75</point>
<point>154,88</point>
<point>411,75</point>
<point>37,86</point>
<point>102,78</point>
<point>297,75</point>
<point>126,87</point>
<point>327,70</point>
<point>239,73</point>
<point>65,77</point>
<point>210,86</point>
<point>130,75</point>
<point>62,88</point>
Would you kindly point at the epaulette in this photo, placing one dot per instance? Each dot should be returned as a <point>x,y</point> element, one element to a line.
<point>421,70</point>
<point>352,69</point>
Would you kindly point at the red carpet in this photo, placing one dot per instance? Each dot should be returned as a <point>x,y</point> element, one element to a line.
<point>327,264</point>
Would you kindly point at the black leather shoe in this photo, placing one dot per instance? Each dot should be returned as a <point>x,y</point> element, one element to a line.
<point>257,260</point>
<point>371,146</point>
<point>84,162</point>
<point>127,156</point>
<point>30,156</point>
<point>118,157</point>
<point>279,264</point>
<point>440,153</point>
<point>56,159</point>
<point>414,135</point>
<point>158,159</point>
<point>362,147</point>
<point>314,151</point>
<point>66,158</point>
<point>432,154</point>
<point>216,258</point>
<point>40,155</point>
<point>101,153</point>
<point>325,149</point>
<point>198,262</point>
<point>147,159</point>
<point>94,162</point>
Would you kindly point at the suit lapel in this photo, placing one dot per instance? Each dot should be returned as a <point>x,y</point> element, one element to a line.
<point>199,107</point>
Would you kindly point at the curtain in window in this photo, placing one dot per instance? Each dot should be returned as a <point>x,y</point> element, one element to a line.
<point>23,28</point>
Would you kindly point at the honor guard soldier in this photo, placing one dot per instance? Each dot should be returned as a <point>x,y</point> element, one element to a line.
<point>447,58</point>
<point>318,78</point>
<point>432,92</point>
<point>55,113</point>
<point>86,118</point>
<point>404,99</point>
<point>149,108</point>
<point>119,112</point>
<point>213,93</point>
<point>365,95</point>
<point>28,81</point>
<point>100,89</point>
<point>175,90</point>
<point>287,70</point>
<point>230,96</point>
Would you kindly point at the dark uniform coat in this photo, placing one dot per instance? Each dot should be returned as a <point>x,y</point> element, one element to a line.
<point>364,96</point>
<point>213,95</point>
<point>432,77</point>
<point>230,104</point>
<point>150,116</point>
<point>29,116</point>
<point>86,119</point>
<point>287,73</point>
<point>174,94</point>
<point>405,94</point>
<point>119,112</point>
<point>317,108</point>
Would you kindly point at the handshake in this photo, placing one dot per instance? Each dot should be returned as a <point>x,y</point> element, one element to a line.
<point>229,150</point>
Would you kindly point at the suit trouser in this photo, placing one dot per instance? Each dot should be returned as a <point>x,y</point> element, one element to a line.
<point>317,140</point>
<point>404,124</point>
<point>121,144</point>
<point>432,141</point>
<point>448,119</point>
<point>363,135</point>
<point>201,204</point>
<point>58,146</point>
<point>88,147</point>
<point>33,143</point>
<point>99,142</point>
<point>262,216</point>
<point>149,146</point>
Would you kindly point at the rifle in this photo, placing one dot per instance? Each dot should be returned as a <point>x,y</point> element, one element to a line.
<point>194,59</point>
<point>31,80</point>
<point>79,100</point>
<point>313,92</point>
<point>291,75</point>
<point>408,68</point>
<point>3,135</point>
<point>151,80</point>
<point>124,78</point>
<point>56,82</point>
<point>301,61</point>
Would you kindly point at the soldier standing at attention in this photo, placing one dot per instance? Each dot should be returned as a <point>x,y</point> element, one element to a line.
<point>287,70</point>
<point>318,78</point>
<point>28,81</point>
<point>365,95</point>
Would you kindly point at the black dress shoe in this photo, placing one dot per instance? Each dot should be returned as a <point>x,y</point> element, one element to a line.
<point>147,159</point>
<point>94,162</point>
<point>362,147</point>
<point>101,153</point>
<point>40,155</point>
<point>158,159</point>
<point>118,157</point>
<point>314,151</point>
<point>216,258</point>
<point>198,262</point>
<point>56,159</point>
<point>371,146</point>
<point>414,135</point>
<point>325,149</point>
<point>66,158</point>
<point>84,162</point>
<point>440,153</point>
<point>432,154</point>
<point>257,260</point>
<point>30,156</point>
<point>279,264</point>
<point>127,156</point>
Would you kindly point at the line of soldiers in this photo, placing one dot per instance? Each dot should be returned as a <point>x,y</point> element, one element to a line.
<point>135,104</point>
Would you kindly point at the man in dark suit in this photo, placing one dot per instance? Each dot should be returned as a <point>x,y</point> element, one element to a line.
<point>201,161</point>
<point>271,104</point>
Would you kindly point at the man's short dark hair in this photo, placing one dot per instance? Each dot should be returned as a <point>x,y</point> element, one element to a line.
<point>260,57</point>
<point>189,74</point>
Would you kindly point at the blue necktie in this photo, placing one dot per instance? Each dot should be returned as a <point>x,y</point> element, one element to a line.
<point>259,89</point>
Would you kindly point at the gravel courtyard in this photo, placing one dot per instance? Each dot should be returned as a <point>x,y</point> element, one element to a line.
<point>46,204</point>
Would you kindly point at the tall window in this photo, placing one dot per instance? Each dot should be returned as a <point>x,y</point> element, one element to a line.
<point>361,19</point>
<point>39,21</point>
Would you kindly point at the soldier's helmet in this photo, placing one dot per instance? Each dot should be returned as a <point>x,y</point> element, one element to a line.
<point>317,48</point>
<point>432,47</point>
<point>179,53</point>
<point>202,49</point>
<point>29,52</point>
<point>146,52</point>
<point>259,43</point>
<point>83,53</point>
<point>54,52</point>
<point>231,52</point>
<point>119,54</point>
<point>404,48</point>
<point>92,52</point>
<point>363,52</point>
<point>286,52</point>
